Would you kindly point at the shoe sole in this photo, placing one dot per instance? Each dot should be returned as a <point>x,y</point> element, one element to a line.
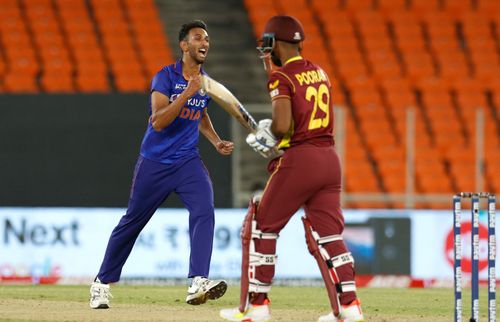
<point>217,291</point>
<point>101,306</point>
<point>197,300</point>
<point>212,294</point>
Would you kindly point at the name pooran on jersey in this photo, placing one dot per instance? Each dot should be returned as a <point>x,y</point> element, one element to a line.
<point>311,77</point>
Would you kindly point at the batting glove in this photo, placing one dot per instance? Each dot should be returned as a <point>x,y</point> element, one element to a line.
<point>263,140</point>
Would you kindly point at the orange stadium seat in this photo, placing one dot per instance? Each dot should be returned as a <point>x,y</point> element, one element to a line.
<point>419,66</point>
<point>57,83</point>
<point>130,83</point>
<point>12,22</point>
<point>360,177</point>
<point>476,23</point>
<point>349,72</point>
<point>365,97</point>
<point>89,55</point>
<point>400,100</point>
<point>399,115</point>
<point>92,82</point>
<point>20,83</point>
<point>8,8</point>
<point>376,40</point>
<point>486,73</point>
<point>391,163</point>
<point>377,134</point>
<point>16,39</point>
<point>457,6</point>
<point>453,66</point>
<point>258,13</point>
<point>431,174</point>
<point>391,5</point>
<point>425,5</point>
<point>463,174</point>
<point>488,6</point>
<point>23,62</point>
<point>470,94</point>
<point>292,5</point>
<point>357,5</point>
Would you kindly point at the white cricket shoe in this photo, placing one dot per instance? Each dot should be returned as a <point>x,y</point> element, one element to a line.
<point>203,289</point>
<point>254,313</point>
<point>99,295</point>
<point>349,313</point>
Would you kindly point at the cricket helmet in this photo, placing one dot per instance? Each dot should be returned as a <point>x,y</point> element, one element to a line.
<point>284,28</point>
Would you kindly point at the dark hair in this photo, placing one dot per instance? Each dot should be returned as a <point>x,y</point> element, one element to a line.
<point>190,25</point>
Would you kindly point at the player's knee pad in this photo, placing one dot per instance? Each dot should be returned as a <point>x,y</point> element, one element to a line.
<point>251,259</point>
<point>328,265</point>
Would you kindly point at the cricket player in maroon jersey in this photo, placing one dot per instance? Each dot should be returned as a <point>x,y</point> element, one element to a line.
<point>307,174</point>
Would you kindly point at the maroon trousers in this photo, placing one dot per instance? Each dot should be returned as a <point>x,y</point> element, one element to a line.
<point>305,176</point>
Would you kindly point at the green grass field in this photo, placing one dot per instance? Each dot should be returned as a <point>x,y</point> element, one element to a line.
<point>166,303</point>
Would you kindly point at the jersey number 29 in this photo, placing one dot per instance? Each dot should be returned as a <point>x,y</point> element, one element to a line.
<point>321,99</point>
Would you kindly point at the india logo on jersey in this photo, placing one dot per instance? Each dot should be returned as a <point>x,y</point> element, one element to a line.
<point>189,113</point>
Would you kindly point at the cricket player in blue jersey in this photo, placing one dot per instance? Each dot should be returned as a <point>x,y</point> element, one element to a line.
<point>169,162</point>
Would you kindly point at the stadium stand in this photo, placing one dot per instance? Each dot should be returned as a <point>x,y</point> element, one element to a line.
<point>58,46</point>
<point>439,57</point>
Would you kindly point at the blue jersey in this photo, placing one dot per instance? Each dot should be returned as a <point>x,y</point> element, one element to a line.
<point>179,140</point>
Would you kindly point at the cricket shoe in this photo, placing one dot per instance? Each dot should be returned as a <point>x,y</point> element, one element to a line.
<point>99,295</point>
<point>254,313</point>
<point>203,289</point>
<point>348,313</point>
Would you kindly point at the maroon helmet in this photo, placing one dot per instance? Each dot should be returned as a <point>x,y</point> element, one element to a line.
<point>284,28</point>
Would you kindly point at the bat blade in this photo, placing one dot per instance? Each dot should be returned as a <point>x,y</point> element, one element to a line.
<point>222,96</point>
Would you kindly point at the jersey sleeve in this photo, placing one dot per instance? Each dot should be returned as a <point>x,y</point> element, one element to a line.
<point>280,85</point>
<point>161,83</point>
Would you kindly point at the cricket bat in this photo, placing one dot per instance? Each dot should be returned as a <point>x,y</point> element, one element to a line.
<point>222,96</point>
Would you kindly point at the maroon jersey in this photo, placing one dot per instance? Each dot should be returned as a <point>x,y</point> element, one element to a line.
<point>308,88</point>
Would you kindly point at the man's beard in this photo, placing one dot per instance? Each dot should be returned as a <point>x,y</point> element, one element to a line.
<point>194,56</point>
<point>275,59</point>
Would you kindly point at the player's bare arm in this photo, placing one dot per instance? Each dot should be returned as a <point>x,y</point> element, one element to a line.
<point>207,129</point>
<point>164,112</point>
<point>282,117</point>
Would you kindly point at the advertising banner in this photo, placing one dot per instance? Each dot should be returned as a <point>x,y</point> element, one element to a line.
<point>50,243</point>
<point>61,244</point>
